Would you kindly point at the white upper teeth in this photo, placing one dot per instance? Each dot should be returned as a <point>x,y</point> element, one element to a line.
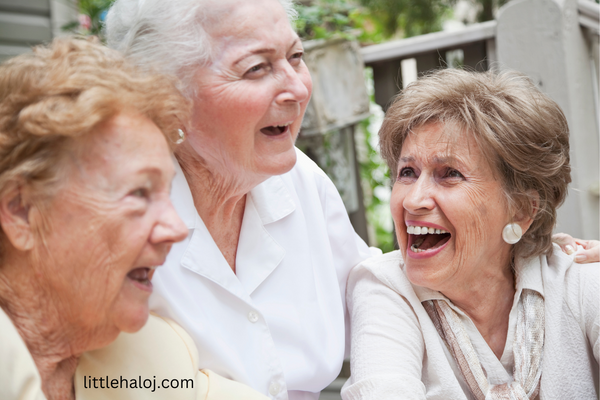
<point>423,230</point>
<point>284,125</point>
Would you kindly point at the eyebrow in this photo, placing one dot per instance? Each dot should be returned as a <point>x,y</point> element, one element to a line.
<point>262,50</point>
<point>440,160</point>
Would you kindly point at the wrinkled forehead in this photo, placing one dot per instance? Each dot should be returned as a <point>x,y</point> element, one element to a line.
<point>441,135</point>
<point>440,142</point>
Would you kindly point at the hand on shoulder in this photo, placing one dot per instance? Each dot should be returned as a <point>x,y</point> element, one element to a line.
<point>589,253</point>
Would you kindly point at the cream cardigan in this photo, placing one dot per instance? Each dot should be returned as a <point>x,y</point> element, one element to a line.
<point>140,365</point>
<point>398,354</point>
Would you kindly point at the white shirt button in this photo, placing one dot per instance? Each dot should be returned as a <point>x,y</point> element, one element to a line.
<point>253,316</point>
<point>274,389</point>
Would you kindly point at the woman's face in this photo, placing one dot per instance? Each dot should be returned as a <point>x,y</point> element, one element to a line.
<point>252,97</point>
<point>110,224</point>
<point>444,182</point>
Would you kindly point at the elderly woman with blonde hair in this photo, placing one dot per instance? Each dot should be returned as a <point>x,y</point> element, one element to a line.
<point>85,215</point>
<point>477,303</point>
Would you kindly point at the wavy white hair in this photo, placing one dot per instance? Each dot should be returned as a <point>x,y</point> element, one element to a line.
<point>167,35</point>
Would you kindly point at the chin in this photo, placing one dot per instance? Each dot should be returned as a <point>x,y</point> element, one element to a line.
<point>133,319</point>
<point>282,163</point>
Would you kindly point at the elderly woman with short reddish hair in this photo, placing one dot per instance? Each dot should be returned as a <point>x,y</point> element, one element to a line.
<point>477,303</point>
<point>85,214</point>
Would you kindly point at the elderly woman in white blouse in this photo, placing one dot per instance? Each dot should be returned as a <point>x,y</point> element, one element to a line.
<point>259,283</point>
<point>477,303</point>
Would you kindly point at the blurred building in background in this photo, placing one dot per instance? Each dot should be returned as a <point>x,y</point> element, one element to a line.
<point>25,23</point>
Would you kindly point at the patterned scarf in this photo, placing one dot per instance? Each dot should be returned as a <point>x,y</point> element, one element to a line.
<point>528,349</point>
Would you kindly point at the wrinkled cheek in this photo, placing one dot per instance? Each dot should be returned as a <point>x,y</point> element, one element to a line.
<point>470,240</point>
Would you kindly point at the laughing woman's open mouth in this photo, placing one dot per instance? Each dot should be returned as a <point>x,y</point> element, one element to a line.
<point>426,241</point>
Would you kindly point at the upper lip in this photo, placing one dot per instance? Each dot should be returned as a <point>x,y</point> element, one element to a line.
<point>283,123</point>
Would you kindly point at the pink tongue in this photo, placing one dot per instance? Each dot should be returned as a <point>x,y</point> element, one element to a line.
<point>138,274</point>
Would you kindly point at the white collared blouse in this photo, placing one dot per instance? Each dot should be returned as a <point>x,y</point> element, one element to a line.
<point>278,323</point>
<point>398,354</point>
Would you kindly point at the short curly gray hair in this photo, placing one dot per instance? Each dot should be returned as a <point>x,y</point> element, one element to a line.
<point>168,35</point>
<point>518,128</point>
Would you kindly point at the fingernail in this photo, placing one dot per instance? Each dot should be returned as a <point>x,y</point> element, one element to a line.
<point>580,257</point>
<point>570,249</point>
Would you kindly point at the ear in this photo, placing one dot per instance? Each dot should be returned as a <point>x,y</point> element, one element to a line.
<point>523,218</point>
<point>14,218</point>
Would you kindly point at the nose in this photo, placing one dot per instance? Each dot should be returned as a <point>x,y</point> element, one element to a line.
<point>419,199</point>
<point>169,228</point>
<point>296,84</point>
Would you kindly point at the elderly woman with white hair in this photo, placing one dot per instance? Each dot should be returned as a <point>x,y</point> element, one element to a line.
<point>259,282</point>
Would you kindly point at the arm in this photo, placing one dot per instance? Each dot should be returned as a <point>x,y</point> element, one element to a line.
<point>387,344</point>
<point>590,252</point>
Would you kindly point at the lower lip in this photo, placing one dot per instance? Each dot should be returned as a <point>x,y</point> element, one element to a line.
<point>426,253</point>
<point>141,286</point>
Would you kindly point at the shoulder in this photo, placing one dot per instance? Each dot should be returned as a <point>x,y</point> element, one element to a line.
<point>382,270</point>
<point>159,346</point>
<point>577,284</point>
<point>160,352</point>
<point>562,270</point>
<point>19,377</point>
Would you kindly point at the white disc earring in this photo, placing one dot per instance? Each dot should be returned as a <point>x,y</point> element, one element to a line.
<point>181,136</point>
<point>512,233</point>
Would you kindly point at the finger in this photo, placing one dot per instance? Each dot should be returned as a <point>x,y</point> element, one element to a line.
<point>566,242</point>
<point>588,256</point>
<point>590,244</point>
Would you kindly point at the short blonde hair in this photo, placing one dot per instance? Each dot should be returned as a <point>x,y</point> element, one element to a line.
<point>519,129</point>
<point>63,91</point>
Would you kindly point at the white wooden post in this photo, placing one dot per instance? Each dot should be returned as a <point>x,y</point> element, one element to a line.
<point>543,39</point>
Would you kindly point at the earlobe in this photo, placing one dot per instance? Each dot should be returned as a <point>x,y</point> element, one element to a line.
<point>14,219</point>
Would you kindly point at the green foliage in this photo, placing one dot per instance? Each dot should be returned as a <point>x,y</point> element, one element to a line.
<point>92,14</point>
<point>371,21</point>
<point>375,175</point>
<point>412,17</point>
<point>325,19</point>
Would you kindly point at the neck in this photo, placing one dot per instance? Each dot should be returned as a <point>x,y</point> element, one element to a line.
<point>49,339</point>
<point>487,300</point>
<point>219,197</point>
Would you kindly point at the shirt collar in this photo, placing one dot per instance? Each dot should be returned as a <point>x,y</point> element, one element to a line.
<point>528,275</point>
<point>271,199</point>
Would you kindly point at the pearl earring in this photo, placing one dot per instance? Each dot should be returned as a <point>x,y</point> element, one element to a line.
<point>512,233</point>
<point>181,136</point>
